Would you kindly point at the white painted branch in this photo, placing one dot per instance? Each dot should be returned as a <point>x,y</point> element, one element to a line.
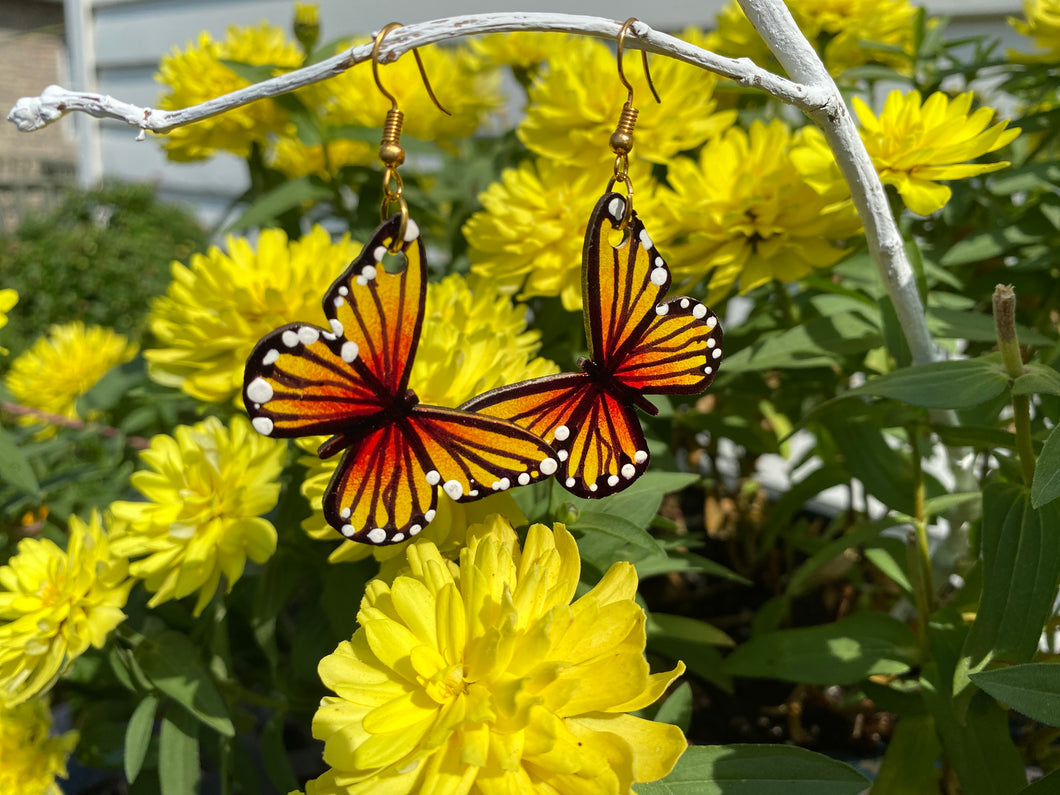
<point>813,91</point>
<point>32,113</point>
<point>774,23</point>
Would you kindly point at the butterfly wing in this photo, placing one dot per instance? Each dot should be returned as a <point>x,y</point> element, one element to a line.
<point>649,346</point>
<point>595,435</point>
<point>384,492</point>
<point>297,382</point>
<point>378,315</point>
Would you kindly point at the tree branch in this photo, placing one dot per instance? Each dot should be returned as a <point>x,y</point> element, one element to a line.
<point>812,91</point>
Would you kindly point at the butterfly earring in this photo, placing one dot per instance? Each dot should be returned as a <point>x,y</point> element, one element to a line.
<point>350,382</point>
<point>638,344</point>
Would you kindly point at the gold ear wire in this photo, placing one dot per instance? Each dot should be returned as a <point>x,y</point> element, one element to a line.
<point>391,152</point>
<point>622,138</point>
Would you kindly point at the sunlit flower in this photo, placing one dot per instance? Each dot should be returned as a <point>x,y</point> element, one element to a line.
<point>220,305</point>
<point>206,489</point>
<point>466,85</point>
<point>198,73</point>
<point>8,298</point>
<point>30,759</point>
<point>473,340</point>
<point>1041,23</point>
<point>485,678</point>
<point>522,49</point>
<point>575,106</point>
<point>63,365</point>
<point>847,33</point>
<point>914,146</point>
<point>744,214</point>
<point>306,24</point>
<point>54,604</point>
<point>527,239</point>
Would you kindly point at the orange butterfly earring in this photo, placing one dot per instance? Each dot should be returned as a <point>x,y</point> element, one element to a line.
<point>350,382</point>
<point>638,344</point>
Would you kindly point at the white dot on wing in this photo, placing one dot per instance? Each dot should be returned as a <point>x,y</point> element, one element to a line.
<point>712,321</point>
<point>259,390</point>
<point>348,530</point>
<point>561,455</point>
<point>524,478</point>
<point>699,311</point>
<point>398,537</point>
<point>662,309</point>
<point>548,467</point>
<point>262,425</point>
<point>429,516</point>
<point>377,255</point>
<point>717,353</point>
<point>270,357</point>
<point>645,238</point>
<point>339,301</point>
<point>562,433</point>
<point>307,335</point>
<point>612,480</point>
<point>628,471</point>
<point>349,351</point>
<point>453,488</point>
<point>377,535</point>
<point>640,456</point>
<point>415,530</point>
<point>658,276</point>
<point>433,478</point>
<point>344,290</point>
<point>290,338</point>
<point>412,231</point>
<point>616,207</point>
<point>570,483</point>
<point>336,326</point>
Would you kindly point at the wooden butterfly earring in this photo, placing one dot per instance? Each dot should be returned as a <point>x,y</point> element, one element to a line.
<point>638,344</point>
<point>350,382</point>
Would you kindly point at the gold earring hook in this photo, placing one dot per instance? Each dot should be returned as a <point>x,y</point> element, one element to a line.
<point>644,57</point>
<point>391,152</point>
<point>622,137</point>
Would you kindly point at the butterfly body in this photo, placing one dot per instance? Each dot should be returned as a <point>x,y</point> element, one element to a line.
<point>350,382</point>
<point>639,344</point>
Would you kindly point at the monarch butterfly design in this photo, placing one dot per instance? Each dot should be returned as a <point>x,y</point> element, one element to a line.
<point>351,383</point>
<point>637,346</point>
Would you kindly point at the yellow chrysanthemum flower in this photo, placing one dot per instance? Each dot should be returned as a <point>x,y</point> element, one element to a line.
<point>840,29</point>
<point>8,298</point>
<point>206,490</point>
<point>63,365</point>
<point>744,214</point>
<point>521,50</point>
<point>1041,23</point>
<point>466,85</point>
<point>30,758</point>
<point>915,145</point>
<point>221,304</point>
<point>528,238</point>
<point>485,678</point>
<point>198,73</point>
<point>55,604</point>
<point>473,340</point>
<point>575,106</point>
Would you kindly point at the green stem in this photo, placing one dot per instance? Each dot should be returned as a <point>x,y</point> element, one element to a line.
<point>919,557</point>
<point>787,308</point>
<point>1009,345</point>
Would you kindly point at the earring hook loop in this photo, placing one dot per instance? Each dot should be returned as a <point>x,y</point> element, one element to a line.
<point>419,63</point>
<point>626,26</point>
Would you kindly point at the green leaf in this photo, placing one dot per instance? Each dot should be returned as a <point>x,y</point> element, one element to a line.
<point>138,736</point>
<point>820,343</point>
<point>756,770</point>
<point>178,753</point>
<point>172,663</point>
<point>974,436</point>
<point>640,502</point>
<point>14,466</point>
<point>884,471</point>
<point>908,767</point>
<point>1049,785</point>
<point>605,538</point>
<point>1020,562</point>
<point>832,550</point>
<point>1038,379</point>
<point>889,555</point>
<point>1032,688</point>
<point>1046,485</point>
<point>684,628</point>
<point>979,746</point>
<point>677,709</point>
<point>113,387</point>
<point>847,651</point>
<point>963,324</point>
<point>274,203</point>
<point>274,755</point>
<point>953,384</point>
